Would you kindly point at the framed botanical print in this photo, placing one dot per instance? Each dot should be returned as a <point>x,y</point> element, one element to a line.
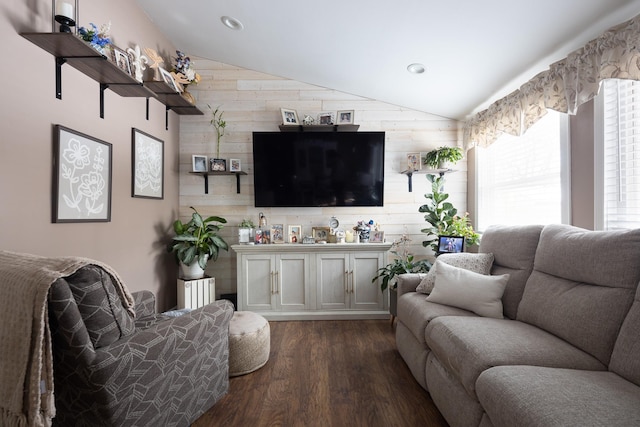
<point>147,165</point>
<point>81,177</point>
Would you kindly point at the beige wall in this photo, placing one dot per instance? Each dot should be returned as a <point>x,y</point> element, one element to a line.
<point>251,101</point>
<point>131,242</point>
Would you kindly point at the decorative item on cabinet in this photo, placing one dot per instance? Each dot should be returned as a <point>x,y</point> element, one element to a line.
<point>245,231</point>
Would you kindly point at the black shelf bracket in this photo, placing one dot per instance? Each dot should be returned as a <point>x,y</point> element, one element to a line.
<point>103,87</point>
<point>205,176</point>
<point>166,122</point>
<point>237,183</point>
<point>410,181</point>
<point>59,63</point>
<point>147,109</point>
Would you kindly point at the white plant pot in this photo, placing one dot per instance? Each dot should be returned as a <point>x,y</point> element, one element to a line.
<point>245,235</point>
<point>191,271</point>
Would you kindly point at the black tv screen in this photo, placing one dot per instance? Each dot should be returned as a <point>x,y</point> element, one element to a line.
<point>310,169</point>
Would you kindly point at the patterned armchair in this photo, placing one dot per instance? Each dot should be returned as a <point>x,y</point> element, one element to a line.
<point>113,370</point>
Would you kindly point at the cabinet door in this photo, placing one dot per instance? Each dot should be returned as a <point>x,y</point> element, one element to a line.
<point>364,294</point>
<point>332,284</point>
<point>292,277</point>
<point>258,282</point>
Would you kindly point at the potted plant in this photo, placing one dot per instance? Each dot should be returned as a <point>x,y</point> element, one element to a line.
<point>443,217</point>
<point>443,157</point>
<point>219,125</point>
<point>403,263</point>
<point>245,231</point>
<point>196,242</point>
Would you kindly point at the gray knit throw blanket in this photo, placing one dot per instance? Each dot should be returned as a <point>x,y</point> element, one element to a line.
<point>26,364</point>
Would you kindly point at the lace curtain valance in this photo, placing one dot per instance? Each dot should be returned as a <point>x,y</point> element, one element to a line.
<point>565,86</point>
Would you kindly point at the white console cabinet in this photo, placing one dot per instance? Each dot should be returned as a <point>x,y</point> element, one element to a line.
<point>296,281</point>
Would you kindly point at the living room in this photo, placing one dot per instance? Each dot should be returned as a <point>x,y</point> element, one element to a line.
<point>134,239</point>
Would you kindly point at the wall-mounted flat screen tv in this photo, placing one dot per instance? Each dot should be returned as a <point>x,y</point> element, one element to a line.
<point>311,169</point>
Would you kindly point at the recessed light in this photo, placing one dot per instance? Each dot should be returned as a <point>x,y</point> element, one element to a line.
<point>232,23</point>
<point>416,68</point>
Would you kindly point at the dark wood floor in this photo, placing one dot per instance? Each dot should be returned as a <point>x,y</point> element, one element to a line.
<point>327,373</point>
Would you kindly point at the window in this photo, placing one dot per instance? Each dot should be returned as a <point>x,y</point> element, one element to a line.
<point>618,155</point>
<point>525,180</point>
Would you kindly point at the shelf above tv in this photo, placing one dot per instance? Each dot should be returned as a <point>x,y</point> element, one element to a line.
<point>205,175</point>
<point>319,128</point>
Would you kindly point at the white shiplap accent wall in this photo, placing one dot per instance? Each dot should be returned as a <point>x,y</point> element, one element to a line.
<point>251,101</point>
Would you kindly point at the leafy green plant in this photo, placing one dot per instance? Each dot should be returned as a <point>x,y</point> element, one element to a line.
<point>219,125</point>
<point>435,158</point>
<point>442,217</point>
<point>198,239</point>
<point>404,263</point>
<point>247,223</point>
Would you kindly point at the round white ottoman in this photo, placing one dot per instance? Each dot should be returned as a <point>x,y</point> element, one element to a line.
<point>249,342</point>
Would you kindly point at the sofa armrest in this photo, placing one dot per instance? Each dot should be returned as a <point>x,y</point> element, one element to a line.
<point>408,282</point>
<point>145,303</point>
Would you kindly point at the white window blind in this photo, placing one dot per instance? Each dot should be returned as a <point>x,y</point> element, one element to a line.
<point>521,180</point>
<point>620,110</point>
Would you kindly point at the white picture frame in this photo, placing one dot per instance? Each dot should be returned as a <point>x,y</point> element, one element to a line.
<point>198,163</point>
<point>235,165</point>
<point>289,117</point>
<point>345,117</point>
<point>168,79</point>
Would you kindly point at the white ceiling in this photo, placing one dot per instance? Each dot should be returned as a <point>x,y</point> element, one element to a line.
<point>474,51</point>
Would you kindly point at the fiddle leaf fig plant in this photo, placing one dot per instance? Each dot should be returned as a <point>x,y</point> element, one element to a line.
<point>443,218</point>
<point>198,239</point>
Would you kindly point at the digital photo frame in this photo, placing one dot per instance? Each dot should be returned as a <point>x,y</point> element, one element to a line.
<point>450,244</point>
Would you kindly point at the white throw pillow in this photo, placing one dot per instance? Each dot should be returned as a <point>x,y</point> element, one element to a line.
<point>468,290</point>
<point>478,263</point>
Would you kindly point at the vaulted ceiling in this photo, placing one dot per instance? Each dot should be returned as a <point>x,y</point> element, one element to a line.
<point>474,52</point>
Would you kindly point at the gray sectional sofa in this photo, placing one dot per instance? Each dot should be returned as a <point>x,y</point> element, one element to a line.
<point>566,353</point>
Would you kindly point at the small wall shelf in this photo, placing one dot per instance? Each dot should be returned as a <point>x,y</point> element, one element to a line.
<point>319,128</point>
<point>205,175</point>
<point>410,174</point>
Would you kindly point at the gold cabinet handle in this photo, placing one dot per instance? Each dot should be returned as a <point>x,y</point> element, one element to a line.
<point>351,273</point>
<point>346,282</point>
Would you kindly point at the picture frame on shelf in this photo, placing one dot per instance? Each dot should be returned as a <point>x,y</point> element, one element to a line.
<point>414,161</point>
<point>168,79</point>
<point>326,118</point>
<point>289,117</point>
<point>198,163</point>
<point>235,165</point>
<point>295,233</point>
<point>345,117</point>
<point>217,165</point>
<point>376,237</point>
<point>121,59</point>
<point>81,177</point>
<point>147,165</point>
<point>320,233</point>
<point>277,233</point>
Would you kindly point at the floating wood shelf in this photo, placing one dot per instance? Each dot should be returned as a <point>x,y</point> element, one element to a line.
<point>67,48</point>
<point>319,128</point>
<point>205,175</point>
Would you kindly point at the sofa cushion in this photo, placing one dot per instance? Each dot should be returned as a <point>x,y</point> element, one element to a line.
<point>625,360</point>
<point>478,263</point>
<point>100,307</point>
<point>415,312</point>
<point>582,285</point>
<point>513,249</point>
<point>471,291</point>
<point>467,346</point>
<point>537,396</point>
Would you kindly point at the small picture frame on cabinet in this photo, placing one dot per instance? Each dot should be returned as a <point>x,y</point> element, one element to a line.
<point>377,237</point>
<point>199,163</point>
<point>320,233</point>
<point>277,233</point>
<point>295,233</point>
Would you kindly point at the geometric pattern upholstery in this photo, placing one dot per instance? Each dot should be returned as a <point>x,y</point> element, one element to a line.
<point>161,371</point>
